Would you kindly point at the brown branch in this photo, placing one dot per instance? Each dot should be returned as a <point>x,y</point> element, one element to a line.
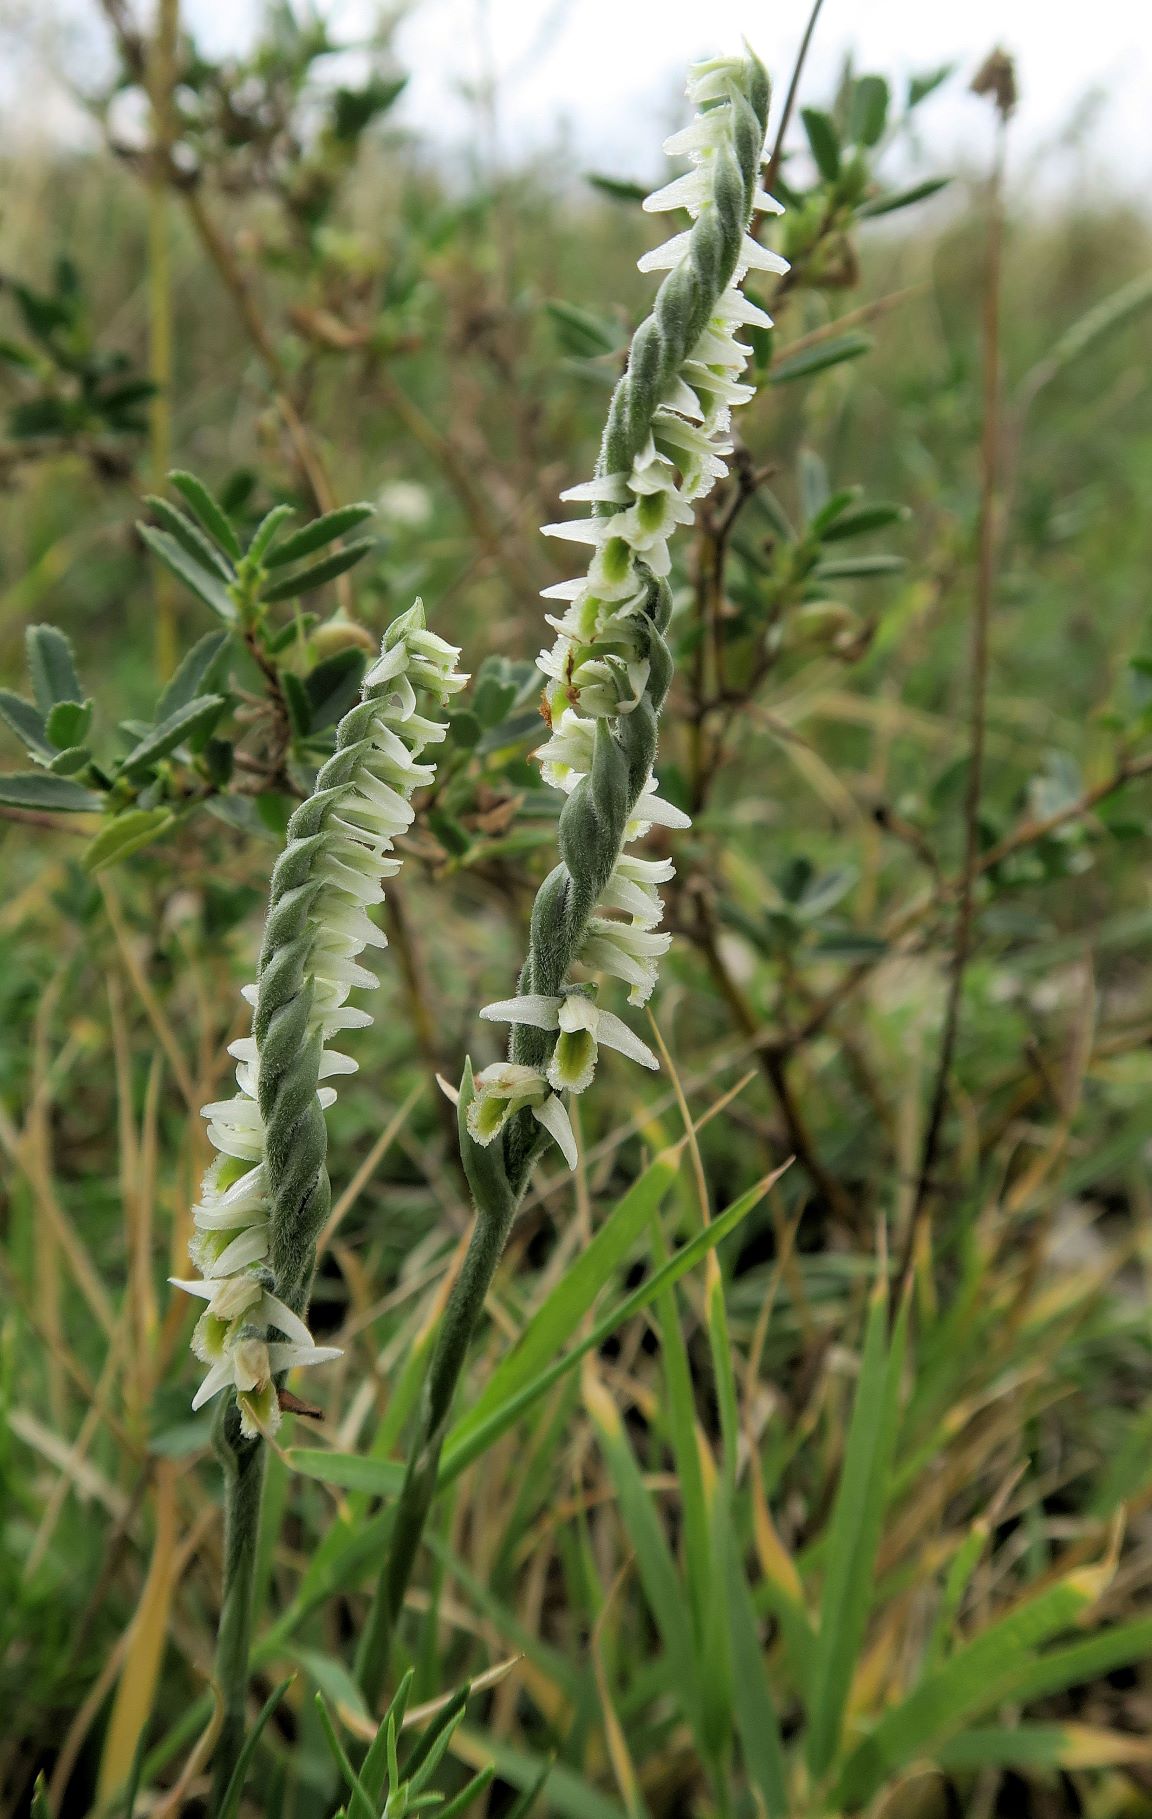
<point>239,289</point>
<point>1038,828</point>
<point>32,818</point>
<point>161,82</point>
<point>774,161</point>
<point>773,1059</point>
<point>276,763</point>
<point>715,530</point>
<point>456,469</point>
<point>161,167</point>
<point>853,318</point>
<point>990,456</point>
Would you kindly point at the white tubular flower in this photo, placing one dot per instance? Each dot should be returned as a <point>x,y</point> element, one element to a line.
<point>249,1366</point>
<point>240,1299</point>
<point>583,1026</point>
<point>567,755</point>
<point>651,811</point>
<point>359,808</point>
<point>604,685</point>
<point>631,889</point>
<point>626,950</point>
<point>504,1089</point>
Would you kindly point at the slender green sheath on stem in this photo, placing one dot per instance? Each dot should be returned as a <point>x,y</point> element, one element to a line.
<point>608,677</point>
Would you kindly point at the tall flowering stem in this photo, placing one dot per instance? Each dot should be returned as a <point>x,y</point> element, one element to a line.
<point>264,1200</point>
<point>607,677</point>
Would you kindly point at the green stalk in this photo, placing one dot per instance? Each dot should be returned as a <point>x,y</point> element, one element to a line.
<point>496,1209</point>
<point>243,1465</point>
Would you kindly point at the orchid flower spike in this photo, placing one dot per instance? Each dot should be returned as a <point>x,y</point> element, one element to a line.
<point>265,1197</point>
<point>606,675</point>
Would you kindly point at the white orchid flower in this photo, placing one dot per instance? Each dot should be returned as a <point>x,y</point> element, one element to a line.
<point>250,1367</point>
<point>627,952</point>
<point>582,1026</point>
<point>505,1088</point>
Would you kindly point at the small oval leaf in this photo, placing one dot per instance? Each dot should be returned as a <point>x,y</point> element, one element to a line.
<point>36,789</point>
<point>126,834</point>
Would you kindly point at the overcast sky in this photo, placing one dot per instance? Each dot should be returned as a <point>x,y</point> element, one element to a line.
<point>601,75</point>
<point>603,69</point>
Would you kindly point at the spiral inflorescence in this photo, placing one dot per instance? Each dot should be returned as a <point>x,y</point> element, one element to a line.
<point>610,668</point>
<point>265,1199</point>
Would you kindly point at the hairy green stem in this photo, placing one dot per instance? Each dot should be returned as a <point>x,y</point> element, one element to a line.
<point>243,1464</point>
<point>496,1209</point>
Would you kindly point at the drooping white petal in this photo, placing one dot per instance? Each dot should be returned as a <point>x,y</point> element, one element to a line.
<point>285,1357</point>
<point>667,257</point>
<point>552,1114</point>
<point>224,1218</point>
<point>204,1290</point>
<point>653,810</point>
<point>757,258</point>
<point>734,306</point>
<point>764,204</point>
<point>250,1247</point>
<point>244,1145</point>
<point>680,397</point>
<point>645,871</point>
<point>217,1379</point>
<point>613,1032</point>
<point>387,666</point>
<point>533,1010</point>
<point>709,80</point>
<point>640,901</point>
<point>239,1111</point>
<point>610,489</point>
<point>689,191</point>
<point>565,590</point>
<point>699,137</point>
<point>274,1312</point>
<point>578,530</point>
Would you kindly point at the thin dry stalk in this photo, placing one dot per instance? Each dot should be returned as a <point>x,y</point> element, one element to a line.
<point>989,533</point>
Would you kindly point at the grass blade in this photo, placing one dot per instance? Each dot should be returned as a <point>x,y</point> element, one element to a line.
<point>753,1710</point>
<point>561,1312</point>
<point>662,1587</point>
<point>1043,1746</point>
<point>230,1805</point>
<point>991,1668</point>
<point>460,1453</point>
<point>855,1530</point>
